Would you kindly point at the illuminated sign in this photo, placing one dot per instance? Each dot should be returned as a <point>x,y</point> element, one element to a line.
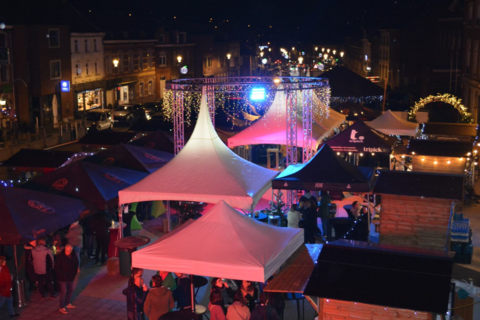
<point>258,94</point>
<point>65,86</point>
<point>184,70</point>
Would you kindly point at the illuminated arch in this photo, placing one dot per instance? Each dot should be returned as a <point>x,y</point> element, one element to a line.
<point>446,98</point>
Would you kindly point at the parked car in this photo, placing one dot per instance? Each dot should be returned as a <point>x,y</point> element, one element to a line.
<point>151,108</point>
<point>100,119</point>
<point>128,113</point>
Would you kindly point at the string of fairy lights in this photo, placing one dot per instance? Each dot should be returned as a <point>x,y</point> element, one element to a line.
<point>446,98</point>
<point>234,100</point>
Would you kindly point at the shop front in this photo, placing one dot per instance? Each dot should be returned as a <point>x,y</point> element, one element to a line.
<point>89,96</point>
<point>120,91</point>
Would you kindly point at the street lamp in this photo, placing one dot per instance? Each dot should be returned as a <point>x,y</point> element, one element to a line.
<point>261,54</point>
<point>334,51</point>
<point>341,54</point>
<point>323,49</point>
<point>328,50</point>
<point>300,60</point>
<point>325,56</point>
<point>229,56</point>
<point>293,48</point>
<point>316,48</point>
<point>179,59</point>
<point>115,64</point>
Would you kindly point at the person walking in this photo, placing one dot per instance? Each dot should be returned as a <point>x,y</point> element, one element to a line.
<point>43,265</point>
<point>75,239</point>
<point>89,237</point>
<point>324,214</point>
<point>100,224</point>
<point>159,300</point>
<point>29,271</point>
<point>136,293</point>
<point>6,287</point>
<point>66,269</point>
<point>216,305</point>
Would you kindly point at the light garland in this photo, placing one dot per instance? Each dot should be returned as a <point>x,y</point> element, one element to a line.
<point>446,98</point>
<point>361,100</point>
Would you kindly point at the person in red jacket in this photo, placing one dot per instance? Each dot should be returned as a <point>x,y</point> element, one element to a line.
<point>6,287</point>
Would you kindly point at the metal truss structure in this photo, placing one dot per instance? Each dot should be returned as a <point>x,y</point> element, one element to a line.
<point>296,88</point>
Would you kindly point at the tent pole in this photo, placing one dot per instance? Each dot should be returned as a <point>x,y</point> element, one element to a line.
<point>192,294</point>
<point>168,215</point>
<point>16,260</point>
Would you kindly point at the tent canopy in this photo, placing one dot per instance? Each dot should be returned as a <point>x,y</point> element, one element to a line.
<point>346,83</point>
<point>359,137</point>
<point>222,243</point>
<point>440,148</point>
<point>272,127</point>
<point>345,269</point>
<point>44,160</point>
<point>156,140</point>
<point>325,171</point>
<point>131,157</point>
<point>95,183</point>
<point>389,123</point>
<point>106,138</point>
<point>461,130</point>
<point>27,215</point>
<point>205,170</point>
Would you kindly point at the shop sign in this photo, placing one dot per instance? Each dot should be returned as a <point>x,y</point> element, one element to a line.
<point>184,70</point>
<point>65,86</point>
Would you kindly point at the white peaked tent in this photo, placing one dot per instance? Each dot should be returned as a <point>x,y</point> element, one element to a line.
<point>327,123</point>
<point>391,124</point>
<point>271,128</point>
<point>223,243</point>
<point>204,171</point>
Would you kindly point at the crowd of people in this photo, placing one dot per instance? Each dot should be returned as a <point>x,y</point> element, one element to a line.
<point>229,299</point>
<point>305,214</point>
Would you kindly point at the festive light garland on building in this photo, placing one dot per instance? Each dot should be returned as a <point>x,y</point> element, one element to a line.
<point>446,98</point>
<point>362,100</point>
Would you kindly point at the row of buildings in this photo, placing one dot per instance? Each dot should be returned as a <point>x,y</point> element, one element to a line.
<point>56,72</point>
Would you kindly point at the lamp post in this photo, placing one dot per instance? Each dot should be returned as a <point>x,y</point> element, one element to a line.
<point>228,69</point>
<point>115,64</point>
<point>179,59</point>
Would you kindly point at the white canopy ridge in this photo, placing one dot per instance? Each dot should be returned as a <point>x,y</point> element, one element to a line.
<point>206,170</point>
<point>391,124</point>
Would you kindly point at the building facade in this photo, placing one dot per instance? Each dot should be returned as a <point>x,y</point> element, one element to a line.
<point>389,57</point>
<point>471,57</point>
<point>41,61</point>
<point>7,101</point>
<point>132,80</point>
<point>88,70</point>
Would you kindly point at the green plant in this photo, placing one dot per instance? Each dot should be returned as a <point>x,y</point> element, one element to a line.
<point>277,207</point>
<point>188,210</point>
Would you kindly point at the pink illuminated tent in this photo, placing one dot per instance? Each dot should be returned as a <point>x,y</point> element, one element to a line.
<point>272,127</point>
<point>204,171</point>
<point>391,124</point>
<point>223,243</point>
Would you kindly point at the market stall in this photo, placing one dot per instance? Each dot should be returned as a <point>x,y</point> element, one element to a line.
<point>390,124</point>
<point>27,215</point>
<point>222,243</point>
<point>131,157</point>
<point>98,184</point>
<point>204,170</point>
<point>106,138</point>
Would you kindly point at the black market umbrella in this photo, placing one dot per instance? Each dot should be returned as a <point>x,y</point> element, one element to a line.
<point>359,138</point>
<point>38,160</point>
<point>156,140</point>
<point>325,171</point>
<point>345,83</point>
<point>98,184</point>
<point>27,215</point>
<point>106,138</point>
<point>131,157</point>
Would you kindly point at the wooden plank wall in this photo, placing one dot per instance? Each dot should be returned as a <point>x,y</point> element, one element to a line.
<point>456,165</point>
<point>346,310</point>
<point>414,221</point>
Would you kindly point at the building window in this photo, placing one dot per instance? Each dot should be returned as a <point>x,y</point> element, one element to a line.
<point>161,39</point>
<point>108,64</point>
<point>467,58</point>
<point>208,62</point>
<point>3,73</point>
<point>75,45</point>
<point>162,59</point>
<point>140,61</point>
<point>86,45</point>
<point>150,87</point>
<point>135,62</point>
<point>145,60</point>
<point>96,68</point>
<point>78,70</point>
<point>475,57</point>
<point>55,69</point>
<point>3,40</point>
<point>86,69</point>
<point>95,48</point>
<point>126,63</point>
<point>141,89</point>
<point>53,38</point>
<point>470,14</point>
